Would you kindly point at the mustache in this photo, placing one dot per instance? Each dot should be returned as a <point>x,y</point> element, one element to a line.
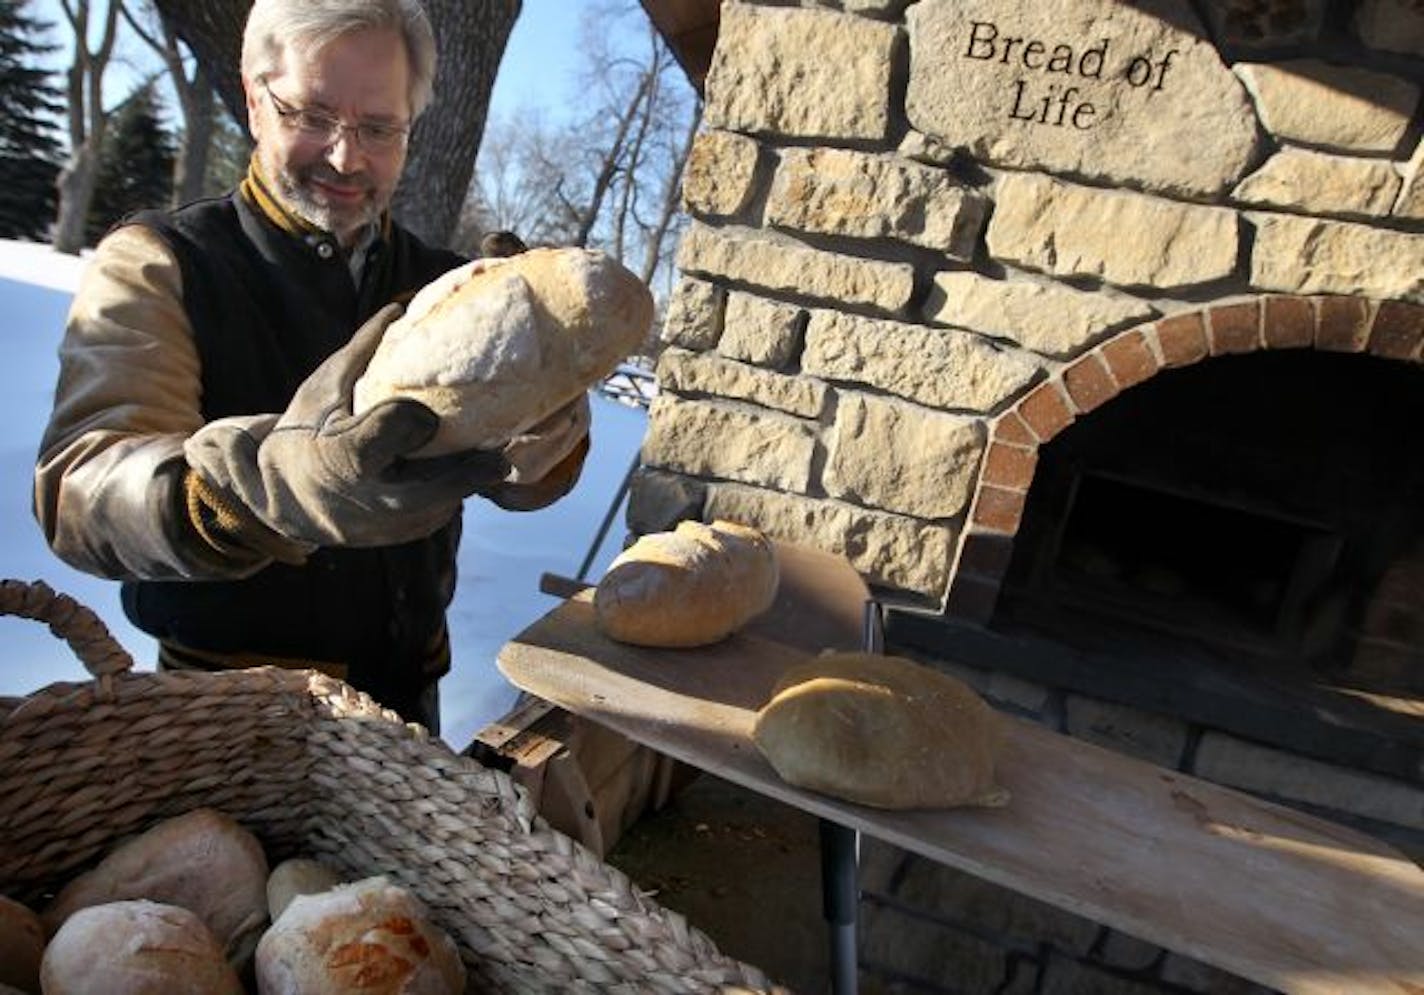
<point>343,181</point>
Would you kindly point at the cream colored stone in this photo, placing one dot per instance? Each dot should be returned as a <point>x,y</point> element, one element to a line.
<point>1262,770</point>
<point>838,192</point>
<point>776,264</point>
<point>1124,238</point>
<point>1052,319</point>
<point>686,372</point>
<point>940,368</point>
<point>1310,256</point>
<point>756,330</point>
<point>902,458</point>
<point>1125,92</point>
<point>892,551</point>
<point>1391,25</point>
<point>710,439</point>
<point>802,73</point>
<point>659,499</point>
<point>1336,107</point>
<point>1411,192</point>
<point>1318,183</point>
<point>1146,735</point>
<point>720,175</point>
<point>694,314</point>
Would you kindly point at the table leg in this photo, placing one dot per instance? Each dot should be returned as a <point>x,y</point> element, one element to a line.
<point>840,894</point>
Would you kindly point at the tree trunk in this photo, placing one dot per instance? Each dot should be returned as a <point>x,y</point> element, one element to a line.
<point>671,199</point>
<point>471,39</point>
<point>447,137</point>
<point>190,168</point>
<point>76,192</point>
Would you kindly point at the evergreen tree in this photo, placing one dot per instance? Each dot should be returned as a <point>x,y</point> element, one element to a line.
<point>135,164</point>
<point>31,105</point>
<point>228,155</point>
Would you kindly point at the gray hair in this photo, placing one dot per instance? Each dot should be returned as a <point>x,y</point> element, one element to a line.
<point>272,25</point>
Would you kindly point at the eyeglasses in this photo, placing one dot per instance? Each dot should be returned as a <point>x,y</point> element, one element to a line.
<point>320,127</point>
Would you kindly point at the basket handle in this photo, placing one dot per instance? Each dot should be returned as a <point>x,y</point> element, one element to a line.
<point>77,625</point>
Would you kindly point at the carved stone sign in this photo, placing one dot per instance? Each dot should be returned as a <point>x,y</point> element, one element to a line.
<point>1124,92</point>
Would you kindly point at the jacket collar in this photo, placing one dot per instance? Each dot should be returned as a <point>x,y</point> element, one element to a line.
<point>257,191</point>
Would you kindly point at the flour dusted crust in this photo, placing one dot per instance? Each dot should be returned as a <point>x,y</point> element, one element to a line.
<point>495,346</point>
<point>881,731</point>
<point>370,937</point>
<point>693,586</point>
<point>203,861</point>
<point>136,948</point>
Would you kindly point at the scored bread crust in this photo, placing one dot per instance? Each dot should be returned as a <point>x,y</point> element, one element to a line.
<point>690,587</point>
<point>497,345</point>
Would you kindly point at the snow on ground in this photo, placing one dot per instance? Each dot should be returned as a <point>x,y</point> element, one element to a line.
<point>501,558</point>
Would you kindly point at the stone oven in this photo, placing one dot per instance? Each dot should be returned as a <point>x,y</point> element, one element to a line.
<point>1090,333</point>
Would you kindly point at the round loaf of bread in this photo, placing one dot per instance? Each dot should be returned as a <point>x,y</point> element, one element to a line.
<point>202,861</point>
<point>881,731</point>
<point>371,937</point>
<point>496,346</point>
<point>690,587</point>
<point>297,876</point>
<point>136,948</point>
<point>22,943</point>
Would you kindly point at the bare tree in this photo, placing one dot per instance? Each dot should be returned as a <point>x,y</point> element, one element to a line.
<point>87,120</point>
<point>196,100</point>
<point>610,178</point>
<point>442,151</point>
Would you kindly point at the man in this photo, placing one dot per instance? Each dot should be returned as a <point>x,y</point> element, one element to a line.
<point>202,446</point>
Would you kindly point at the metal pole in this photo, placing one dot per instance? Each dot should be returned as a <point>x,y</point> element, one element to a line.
<point>840,893</point>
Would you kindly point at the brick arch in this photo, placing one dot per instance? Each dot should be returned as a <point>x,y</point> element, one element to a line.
<point>1389,329</point>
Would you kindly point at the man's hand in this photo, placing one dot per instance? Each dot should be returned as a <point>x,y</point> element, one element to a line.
<point>320,476</point>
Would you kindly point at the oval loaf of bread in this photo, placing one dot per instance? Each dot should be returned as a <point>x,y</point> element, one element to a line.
<point>690,587</point>
<point>370,936</point>
<point>881,731</point>
<point>22,943</point>
<point>136,948</point>
<point>497,345</point>
<point>203,861</point>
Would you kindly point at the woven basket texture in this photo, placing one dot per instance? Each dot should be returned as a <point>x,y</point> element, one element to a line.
<point>314,768</point>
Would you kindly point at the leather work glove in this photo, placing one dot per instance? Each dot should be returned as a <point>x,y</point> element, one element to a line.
<point>320,476</point>
<point>538,449</point>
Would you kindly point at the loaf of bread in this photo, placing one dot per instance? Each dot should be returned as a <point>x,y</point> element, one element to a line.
<point>202,861</point>
<point>370,937</point>
<point>297,876</point>
<point>693,586</point>
<point>22,943</point>
<point>881,731</point>
<point>136,948</point>
<point>496,346</point>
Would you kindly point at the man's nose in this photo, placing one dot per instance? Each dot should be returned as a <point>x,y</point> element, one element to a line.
<point>345,153</point>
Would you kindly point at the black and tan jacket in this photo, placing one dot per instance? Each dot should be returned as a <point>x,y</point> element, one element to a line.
<point>223,308</point>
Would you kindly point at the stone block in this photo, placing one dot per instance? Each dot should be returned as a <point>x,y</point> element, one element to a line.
<point>1182,339</point>
<point>1235,328</point>
<point>1046,411</point>
<point>999,510</point>
<point>1397,331</point>
<point>1342,324</point>
<point>759,259</point>
<point>891,551</point>
<point>907,945</point>
<point>1148,736</point>
<point>861,195</point>
<point>756,330</point>
<point>1265,23</point>
<point>1063,976</point>
<point>939,368</point>
<point>1050,318</point>
<point>1293,778</point>
<point>1195,976</point>
<point>801,73</point>
<point>1089,384</point>
<point>1391,25</point>
<point>1010,466</point>
<point>1130,358</point>
<point>1308,182</point>
<point>898,457</point>
<point>1105,90</point>
<point>1127,952</point>
<point>1344,108</point>
<point>719,178</point>
<point>1132,239</point>
<point>1410,203</point>
<point>704,373</point>
<point>1314,256</point>
<point>1289,322</point>
<point>658,500</point>
<point>752,446</point>
<point>694,314</point>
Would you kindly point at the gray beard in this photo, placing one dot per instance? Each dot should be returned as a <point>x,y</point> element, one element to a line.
<point>321,215</point>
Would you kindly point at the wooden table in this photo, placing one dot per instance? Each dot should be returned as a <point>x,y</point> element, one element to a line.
<point>1284,899</point>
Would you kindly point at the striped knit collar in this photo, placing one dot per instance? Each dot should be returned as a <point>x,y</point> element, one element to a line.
<point>257,191</point>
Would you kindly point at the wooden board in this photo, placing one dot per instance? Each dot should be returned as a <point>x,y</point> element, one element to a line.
<point>1276,896</point>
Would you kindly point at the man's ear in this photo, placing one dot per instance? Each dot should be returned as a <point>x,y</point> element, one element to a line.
<point>252,94</point>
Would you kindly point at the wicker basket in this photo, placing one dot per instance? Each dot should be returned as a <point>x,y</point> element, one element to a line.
<point>316,768</point>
